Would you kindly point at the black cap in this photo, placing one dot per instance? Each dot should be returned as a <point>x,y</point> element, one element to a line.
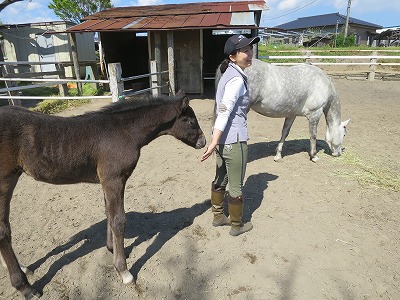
<point>237,42</point>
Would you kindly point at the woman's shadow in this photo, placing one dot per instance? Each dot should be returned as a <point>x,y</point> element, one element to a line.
<point>144,226</point>
<point>253,191</point>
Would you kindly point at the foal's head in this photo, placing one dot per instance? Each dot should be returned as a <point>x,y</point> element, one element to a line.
<point>186,127</point>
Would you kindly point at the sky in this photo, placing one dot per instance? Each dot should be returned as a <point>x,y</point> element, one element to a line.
<point>385,13</point>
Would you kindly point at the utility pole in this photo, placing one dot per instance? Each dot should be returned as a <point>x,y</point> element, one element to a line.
<point>346,27</point>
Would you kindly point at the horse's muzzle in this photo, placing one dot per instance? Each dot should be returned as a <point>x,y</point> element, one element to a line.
<point>338,152</point>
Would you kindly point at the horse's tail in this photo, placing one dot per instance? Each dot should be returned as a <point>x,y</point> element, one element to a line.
<point>218,75</point>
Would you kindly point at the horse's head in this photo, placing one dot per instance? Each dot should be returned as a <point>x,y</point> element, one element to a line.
<point>186,127</point>
<point>335,136</point>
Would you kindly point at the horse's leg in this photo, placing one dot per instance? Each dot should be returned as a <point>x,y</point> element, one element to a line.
<point>17,275</point>
<point>285,132</point>
<point>116,220</point>
<point>313,124</point>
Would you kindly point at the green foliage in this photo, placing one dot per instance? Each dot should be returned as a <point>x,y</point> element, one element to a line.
<point>41,91</point>
<point>75,10</point>
<point>349,41</point>
<point>87,90</point>
<point>54,106</point>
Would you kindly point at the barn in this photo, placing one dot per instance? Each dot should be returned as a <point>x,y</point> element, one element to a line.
<point>44,42</point>
<point>184,39</point>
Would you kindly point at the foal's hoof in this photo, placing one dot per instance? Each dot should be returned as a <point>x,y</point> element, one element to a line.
<point>314,159</point>
<point>127,277</point>
<point>26,270</point>
<point>31,293</point>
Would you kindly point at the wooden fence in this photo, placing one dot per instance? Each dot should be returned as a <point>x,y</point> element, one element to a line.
<point>115,81</point>
<point>366,66</point>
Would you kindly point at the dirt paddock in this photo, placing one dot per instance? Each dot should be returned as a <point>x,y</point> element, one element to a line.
<point>325,230</point>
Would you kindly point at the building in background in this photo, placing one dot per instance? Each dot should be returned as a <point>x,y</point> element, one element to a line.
<point>321,30</point>
<point>44,42</point>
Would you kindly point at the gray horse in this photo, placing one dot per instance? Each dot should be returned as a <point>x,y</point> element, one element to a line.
<point>300,90</point>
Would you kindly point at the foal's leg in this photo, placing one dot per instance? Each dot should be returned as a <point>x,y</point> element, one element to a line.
<point>17,276</point>
<point>109,231</point>
<point>116,221</point>
<point>285,132</point>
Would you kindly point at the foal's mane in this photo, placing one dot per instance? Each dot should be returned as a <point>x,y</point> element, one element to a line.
<point>135,102</point>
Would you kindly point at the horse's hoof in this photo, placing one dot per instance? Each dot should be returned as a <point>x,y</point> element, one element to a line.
<point>277,158</point>
<point>127,277</point>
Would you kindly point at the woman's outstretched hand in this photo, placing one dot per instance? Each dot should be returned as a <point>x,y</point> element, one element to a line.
<point>210,150</point>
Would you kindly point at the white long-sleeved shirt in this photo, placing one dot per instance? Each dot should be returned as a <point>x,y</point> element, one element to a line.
<point>233,89</point>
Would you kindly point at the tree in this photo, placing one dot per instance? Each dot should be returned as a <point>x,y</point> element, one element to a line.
<point>343,41</point>
<point>6,3</point>
<point>76,10</point>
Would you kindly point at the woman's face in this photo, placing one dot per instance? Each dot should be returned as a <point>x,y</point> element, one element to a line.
<point>243,57</point>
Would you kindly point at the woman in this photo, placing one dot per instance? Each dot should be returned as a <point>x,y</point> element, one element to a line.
<point>229,137</point>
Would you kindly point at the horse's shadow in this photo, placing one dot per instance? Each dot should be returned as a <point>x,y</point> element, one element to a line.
<point>253,191</point>
<point>265,149</point>
<point>143,226</point>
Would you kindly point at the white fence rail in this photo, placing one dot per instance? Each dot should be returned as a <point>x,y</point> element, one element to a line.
<point>116,83</point>
<point>369,65</point>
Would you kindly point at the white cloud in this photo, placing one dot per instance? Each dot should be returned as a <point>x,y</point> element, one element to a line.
<point>288,4</point>
<point>340,4</point>
<point>375,6</point>
<point>149,2</point>
<point>121,3</point>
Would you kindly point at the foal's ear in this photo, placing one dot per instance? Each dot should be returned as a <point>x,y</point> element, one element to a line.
<point>184,98</point>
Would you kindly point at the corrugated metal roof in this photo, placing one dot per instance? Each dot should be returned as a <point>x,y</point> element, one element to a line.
<point>174,16</point>
<point>323,20</point>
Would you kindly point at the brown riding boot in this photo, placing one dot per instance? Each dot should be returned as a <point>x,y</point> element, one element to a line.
<point>217,206</point>
<point>235,207</point>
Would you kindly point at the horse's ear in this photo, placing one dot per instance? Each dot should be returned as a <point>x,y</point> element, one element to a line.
<point>345,123</point>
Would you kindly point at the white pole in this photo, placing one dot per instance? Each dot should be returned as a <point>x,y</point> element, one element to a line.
<point>346,27</point>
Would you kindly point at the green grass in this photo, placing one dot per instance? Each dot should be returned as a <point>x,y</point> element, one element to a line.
<point>283,50</point>
<point>55,106</point>
<point>50,106</point>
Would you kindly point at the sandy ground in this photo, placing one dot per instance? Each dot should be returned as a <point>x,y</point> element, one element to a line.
<point>319,231</point>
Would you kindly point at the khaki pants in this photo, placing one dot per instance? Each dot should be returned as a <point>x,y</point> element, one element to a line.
<point>231,167</point>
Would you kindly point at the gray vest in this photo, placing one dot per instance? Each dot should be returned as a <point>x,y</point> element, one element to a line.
<point>236,128</point>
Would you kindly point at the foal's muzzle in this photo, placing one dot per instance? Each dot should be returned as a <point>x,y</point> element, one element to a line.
<point>201,142</point>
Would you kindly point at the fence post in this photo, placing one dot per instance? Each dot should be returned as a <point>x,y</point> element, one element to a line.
<point>116,84</point>
<point>372,67</point>
<point>74,55</point>
<point>9,70</point>
<point>308,54</point>
<point>61,75</point>
<point>154,79</point>
<point>171,61</point>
